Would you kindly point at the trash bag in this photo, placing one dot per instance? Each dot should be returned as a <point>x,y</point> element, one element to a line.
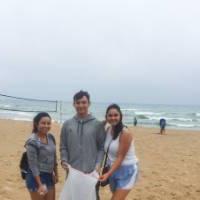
<point>79,186</point>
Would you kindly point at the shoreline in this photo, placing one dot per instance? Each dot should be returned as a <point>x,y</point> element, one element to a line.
<point>168,128</point>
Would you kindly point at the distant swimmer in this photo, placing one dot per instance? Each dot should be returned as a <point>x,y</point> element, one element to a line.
<point>135,121</point>
<point>162,126</point>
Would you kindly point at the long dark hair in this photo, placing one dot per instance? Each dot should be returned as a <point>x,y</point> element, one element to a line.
<point>118,128</point>
<point>37,119</point>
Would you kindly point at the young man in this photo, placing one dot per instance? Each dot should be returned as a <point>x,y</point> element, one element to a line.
<point>82,138</point>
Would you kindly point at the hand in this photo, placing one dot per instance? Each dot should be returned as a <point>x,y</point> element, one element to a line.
<point>55,178</point>
<point>65,165</point>
<point>94,174</point>
<point>104,177</point>
<point>98,169</point>
<point>42,190</point>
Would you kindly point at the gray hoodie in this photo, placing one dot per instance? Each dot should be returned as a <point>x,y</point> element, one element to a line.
<point>82,143</point>
<point>41,157</point>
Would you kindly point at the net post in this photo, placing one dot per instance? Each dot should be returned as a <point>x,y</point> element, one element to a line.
<point>60,112</point>
<point>56,106</point>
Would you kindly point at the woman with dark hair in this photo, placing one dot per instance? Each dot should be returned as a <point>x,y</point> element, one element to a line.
<point>122,161</point>
<point>41,154</point>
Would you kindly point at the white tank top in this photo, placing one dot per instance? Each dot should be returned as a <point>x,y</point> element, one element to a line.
<point>130,157</point>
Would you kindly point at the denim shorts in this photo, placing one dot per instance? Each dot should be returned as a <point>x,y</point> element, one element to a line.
<point>124,177</point>
<point>46,178</point>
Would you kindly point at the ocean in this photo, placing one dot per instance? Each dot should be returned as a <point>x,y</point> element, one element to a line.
<point>177,116</point>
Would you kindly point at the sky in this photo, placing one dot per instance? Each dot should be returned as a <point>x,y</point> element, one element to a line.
<point>142,51</point>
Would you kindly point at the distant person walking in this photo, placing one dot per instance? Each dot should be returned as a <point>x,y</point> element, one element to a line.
<point>162,126</point>
<point>135,121</point>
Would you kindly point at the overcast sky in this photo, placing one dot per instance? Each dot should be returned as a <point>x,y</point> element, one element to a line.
<point>139,51</point>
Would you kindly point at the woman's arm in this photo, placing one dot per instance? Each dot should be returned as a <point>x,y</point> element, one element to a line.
<point>38,181</point>
<point>32,155</point>
<point>64,147</point>
<point>100,140</point>
<point>55,169</point>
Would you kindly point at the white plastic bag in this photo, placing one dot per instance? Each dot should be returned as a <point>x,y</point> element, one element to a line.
<point>79,186</point>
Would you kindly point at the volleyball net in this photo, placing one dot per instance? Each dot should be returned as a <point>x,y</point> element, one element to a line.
<point>13,103</point>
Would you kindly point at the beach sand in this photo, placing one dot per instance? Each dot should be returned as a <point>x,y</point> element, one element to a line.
<point>169,164</point>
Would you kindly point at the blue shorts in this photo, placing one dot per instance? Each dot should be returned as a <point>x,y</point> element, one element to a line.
<point>162,127</point>
<point>124,178</point>
<point>46,178</point>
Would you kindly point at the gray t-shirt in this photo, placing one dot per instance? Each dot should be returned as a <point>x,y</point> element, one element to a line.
<point>41,157</point>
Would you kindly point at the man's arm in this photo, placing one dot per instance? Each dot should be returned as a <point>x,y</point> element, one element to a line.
<point>101,135</point>
<point>63,145</point>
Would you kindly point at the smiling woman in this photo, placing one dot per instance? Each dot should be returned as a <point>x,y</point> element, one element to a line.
<point>122,161</point>
<point>41,154</point>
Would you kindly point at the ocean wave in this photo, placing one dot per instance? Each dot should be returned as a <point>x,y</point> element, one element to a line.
<point>146,113</point>
<point>172,119</point>
<point>198,114</point>
<point>128,109</point>
<point>21,119</point>
<point>184,119</point>
<point>5,106</point>
<point>22,116</point>
<point>182,125</point>
<point>194,114</point>
<point>26,114</point>
<point>14,113</point>
<point>142,117</point>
